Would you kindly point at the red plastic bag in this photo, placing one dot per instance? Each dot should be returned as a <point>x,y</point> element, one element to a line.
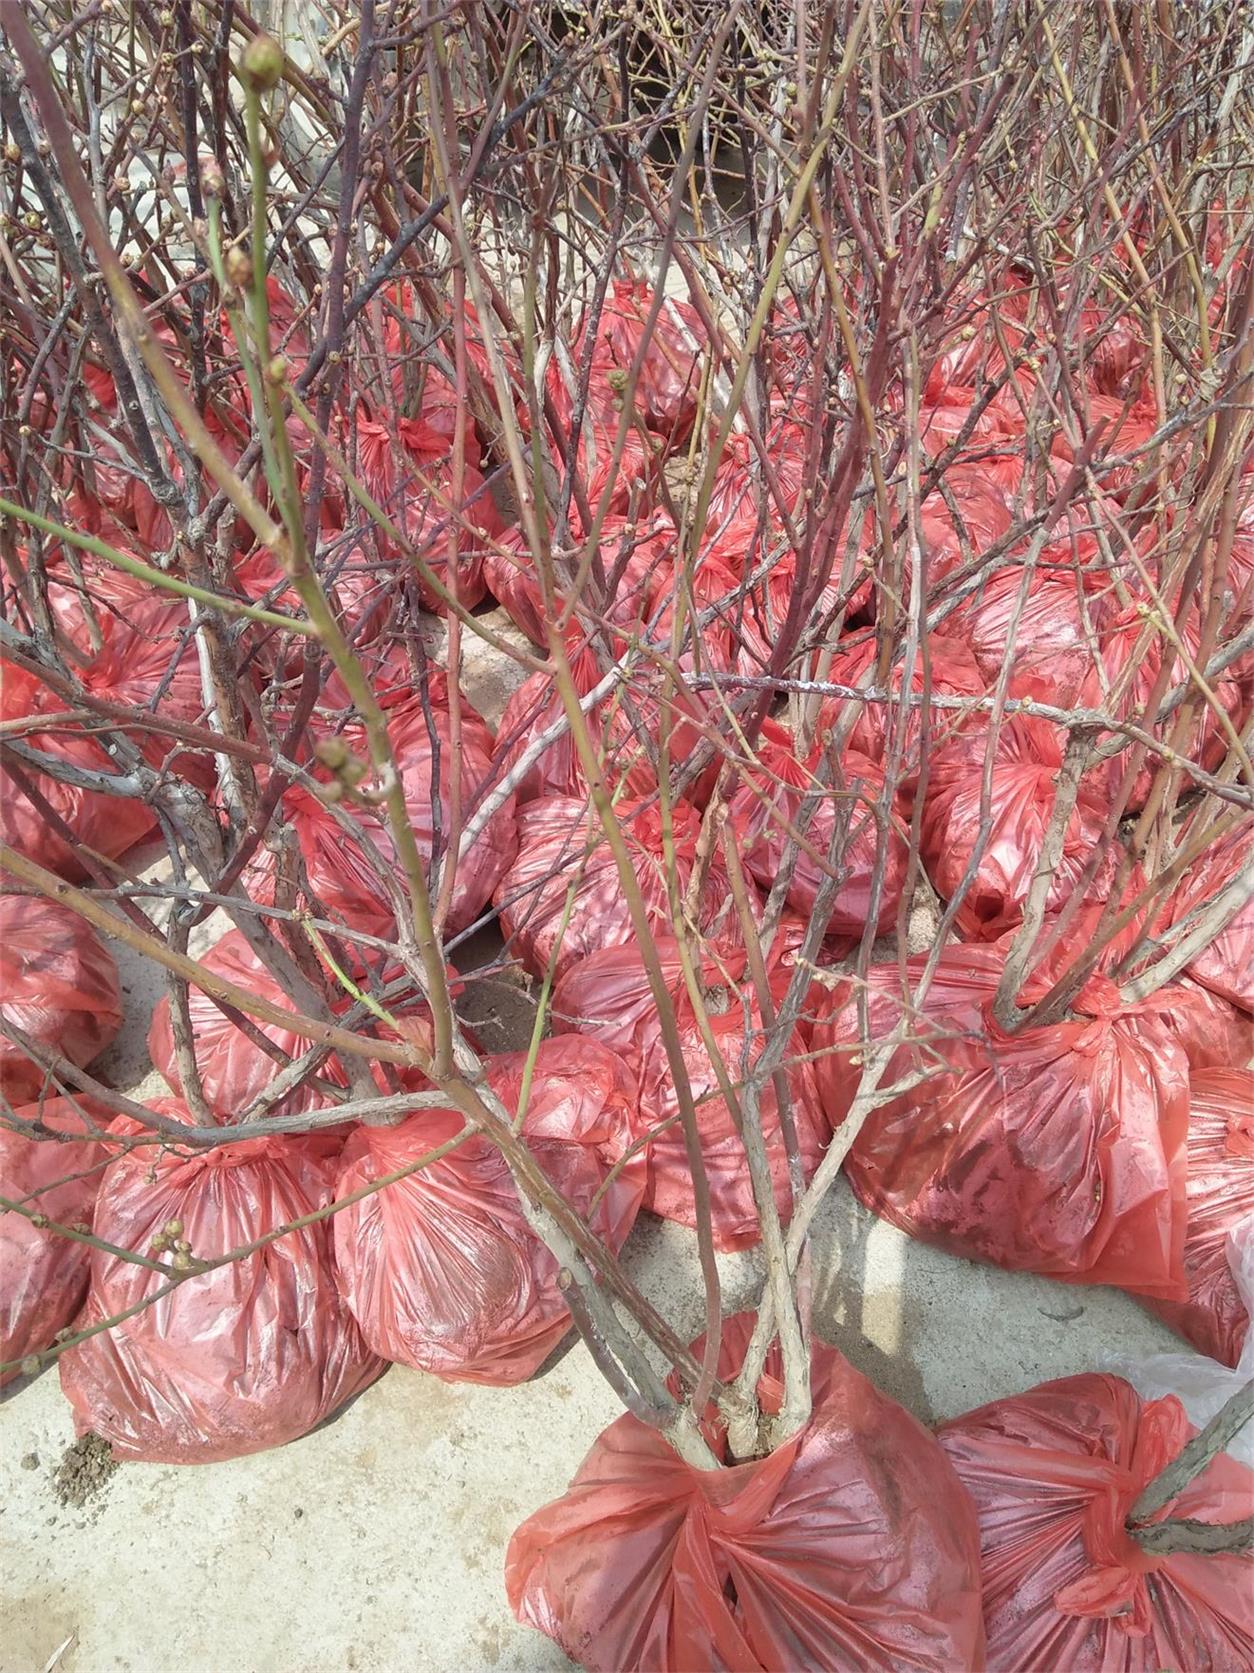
<point>774,790</point>
<point>361,588</point>
<point>1027,759</point>
<point>728,624</point>
<point>994,442</point>
<point>1122,681</point>
<point>233,1070</point>
<point>1058,1150</point>
<point>1126,431</point>
<point>1226,964</point>
<point>630,554</point>
<point>243,1357</point>
<point>58,983</point>
<point>1220,1197</point>
<point>1054,1473</point>
<point>1055,641</point>
<point>740,490</point>
<point>420,387</point>
<point>1211,1032</point>
<point>1114,350</point>
<point>441,1269</point>
<point>619,723</point>
<point>136,650</point>
<point>668,385</point>
<point>408,468</point>
<point>106,825</point>
<point>91,600</point>
<point>607,996</point>
<point>964,982</point>
<point>953,672</point>
<point>560,842</point>
<point>984,513</point>
<point>623,487</point>
<point>852,1545</point>
<point>1214,1033</point>
<point>43,1276</point>
<point>339,874</point>
<point>978,325</point>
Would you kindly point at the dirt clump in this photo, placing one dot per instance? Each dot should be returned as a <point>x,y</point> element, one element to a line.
<point>85,1471</point>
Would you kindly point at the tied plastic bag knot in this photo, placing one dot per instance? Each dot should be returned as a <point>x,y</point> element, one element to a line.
<point>733,1503</point>
<point>1099,998</point>
<point>1114,1588</point>
<point>242,1154</point>
<point>1240,1137</point>
<point>1054,1473</point>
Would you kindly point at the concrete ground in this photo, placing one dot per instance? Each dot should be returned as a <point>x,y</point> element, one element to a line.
<point>378,1542</point>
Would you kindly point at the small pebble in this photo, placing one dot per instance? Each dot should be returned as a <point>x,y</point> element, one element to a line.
<point>31,1461</point>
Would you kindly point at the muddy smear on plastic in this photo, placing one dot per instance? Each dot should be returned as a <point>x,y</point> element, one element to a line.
<point>85,1472</point>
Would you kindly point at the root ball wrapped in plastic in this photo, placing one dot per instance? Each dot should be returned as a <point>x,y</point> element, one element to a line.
<point>952,671</point>
<point>620,723</point>
<point>850,1545</point>
<point>1123,680</point>
<point>979,322</point>
<point>1225,964</point>
<point>990,440</point>
<point>607,997</point>
<point>1121,459</point>
<point>771,797</point>
<point>1055,639</point>
<point>960,525</point>
<point>740,488</point>
<point>340,874</point>
<point>105,825</point>
<point>562,846</point>
<point>138,653</point>
<point>1027,759</point>
<point>728,624</point>
<point>670,355</point>
<point>631,552</point>
<point>1054,1474</point>
<point>1059,1149</point>
<point>58,984</point>
<point>43,1276</point>
<point>91,600</point>
<point>245,1356</point>
<point>234,1069</point>
<point>441,1268</point>
<point>1220,1152</point>
<point>1215,1033</point>
<point>361,587</point>
<point>408,468</point>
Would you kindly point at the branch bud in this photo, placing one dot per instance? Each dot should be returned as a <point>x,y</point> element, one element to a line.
<point>239,266</point>
<point>333,753</point>
<point>262,63</point>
